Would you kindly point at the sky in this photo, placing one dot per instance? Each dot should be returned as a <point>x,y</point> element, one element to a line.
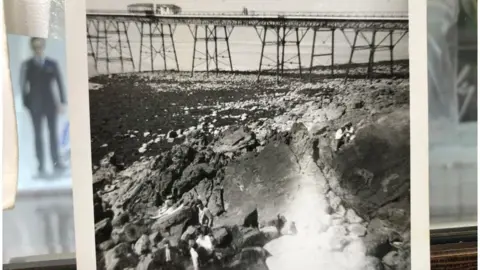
<point>266,5</point>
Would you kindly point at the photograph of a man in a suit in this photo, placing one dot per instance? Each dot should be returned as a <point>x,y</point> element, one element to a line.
<point>39,73</point>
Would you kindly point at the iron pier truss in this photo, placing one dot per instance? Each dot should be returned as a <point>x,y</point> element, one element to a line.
<point>108,36</point>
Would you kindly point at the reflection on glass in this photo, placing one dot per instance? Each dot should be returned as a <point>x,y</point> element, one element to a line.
<point>42,221</point>
<point>452,74</point>
<point>41,224</point>
<point>38,75</point>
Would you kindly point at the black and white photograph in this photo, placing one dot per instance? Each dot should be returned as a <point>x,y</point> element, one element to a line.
<point>241,134</point>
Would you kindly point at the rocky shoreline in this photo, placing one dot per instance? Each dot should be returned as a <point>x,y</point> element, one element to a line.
<point>282,197</point>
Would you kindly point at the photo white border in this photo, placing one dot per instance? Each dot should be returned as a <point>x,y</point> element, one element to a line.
<point>79,111</point>
<point>419,177</point>
<point>77,74</point>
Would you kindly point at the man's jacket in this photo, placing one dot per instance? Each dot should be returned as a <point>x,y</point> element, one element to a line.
<point>37,84</point>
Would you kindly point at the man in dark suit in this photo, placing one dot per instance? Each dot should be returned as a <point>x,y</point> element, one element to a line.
<point>38,76</point>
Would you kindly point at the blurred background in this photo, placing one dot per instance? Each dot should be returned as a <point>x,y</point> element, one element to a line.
<point>452,70</point>
<point>42,221</point>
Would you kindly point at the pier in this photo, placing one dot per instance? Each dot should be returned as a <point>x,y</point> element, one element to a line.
<point>278,29</point>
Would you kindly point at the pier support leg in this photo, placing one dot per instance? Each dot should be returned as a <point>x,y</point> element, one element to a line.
<point>173,46</point>
<point>120,44</point>
<point>352,51</point>
<point>373,47</point>
<point>215,56</point>
<point>227,37</point>
<point>262,50</point>
<point>97,29</point>
<point>162,34</point>
<point>125,31</point>
<point>283,37</point>
<point>332,64</point>
<point>313,49</point>
<point>391,52</point>
<point>371,58</point>
<point>207,54</point>
<point>216,48</point>
<point>281,42</point>
<point>152,57</point>
<point>141,46</point>
<point>92,52</point>
<point>318,33</point>
<point>278,53</point>
<point>157,37</point>
<point>194,48</point>
<point>105,27</point>
<point>110,42</point>
<point>298,51</point>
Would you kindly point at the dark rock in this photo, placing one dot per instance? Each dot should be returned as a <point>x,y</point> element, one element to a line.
<point>372,263</point>
<point>262,183</point>
<point>251,258</point>
<point>165,183</point>
<point>145,262</point>
<point>222,237</point>
<point>142,246</point>
<point>203,190</point>
<point>200,158</point>
<point>118,235</point>
<point>164,224</point>
<point>189,233</point>
<point>373,170</point>
<point>121,219</point>
<point>103,229</point>
<point>247,237</point>
<point>234,139</point>
<point>319,128</point>
<point>163,161</point>
<point>397,260</point>
<point>120,257</point>
<point>182,154</point>
<point>251,220</point>
<point>155,238</point>
<point>100,209</point>
<point>177,260</point>
<point>270,232</point>
<point>192,175</point>
<point>105,174</point>
<point>334,111</point>
<point>104,246</point>
<point>133,232</point>
<point>377,238</point>
<point>356,104</point>
<point>216,202</point>
<point>172,134</point>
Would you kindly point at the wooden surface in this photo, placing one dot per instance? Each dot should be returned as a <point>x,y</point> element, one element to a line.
<point>454,256</point>
<point>443,257</point>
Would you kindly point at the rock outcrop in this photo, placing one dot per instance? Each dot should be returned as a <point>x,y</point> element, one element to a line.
<point>289,195</point>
